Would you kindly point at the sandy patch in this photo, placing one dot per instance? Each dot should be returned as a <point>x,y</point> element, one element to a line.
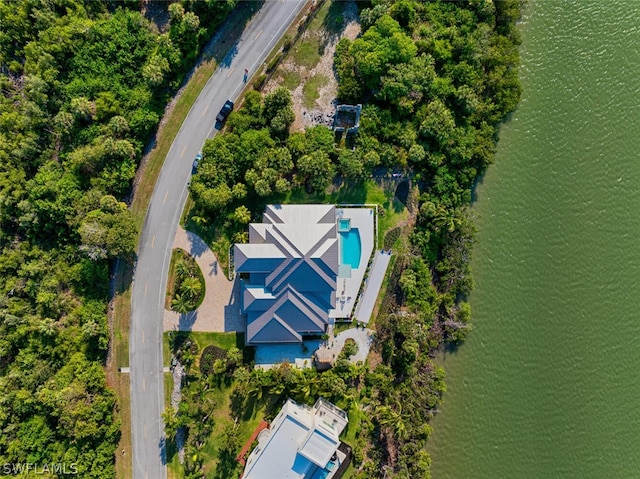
<point>324,106</point>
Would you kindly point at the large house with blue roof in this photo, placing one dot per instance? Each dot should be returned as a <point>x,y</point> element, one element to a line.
<point>289,273</point>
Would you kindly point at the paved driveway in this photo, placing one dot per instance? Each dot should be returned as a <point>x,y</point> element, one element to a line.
<point>363,337</point>
<point>219,311</point>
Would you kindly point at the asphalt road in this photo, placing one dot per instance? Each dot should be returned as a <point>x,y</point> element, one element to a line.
<point>158,231</point>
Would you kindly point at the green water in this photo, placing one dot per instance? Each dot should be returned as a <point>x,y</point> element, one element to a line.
<point>548,384</point>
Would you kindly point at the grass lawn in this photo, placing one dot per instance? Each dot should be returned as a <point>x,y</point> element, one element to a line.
<point>391,213</point>
<point>353,426</point>
<point>290,79</point>
<point>307,53</point>
<point>341,326</point>
<point>310,89</point>
<point>222,340</point>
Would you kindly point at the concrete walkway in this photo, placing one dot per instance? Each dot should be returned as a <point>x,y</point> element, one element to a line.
<point>372,287</point>
<point>219,311</point>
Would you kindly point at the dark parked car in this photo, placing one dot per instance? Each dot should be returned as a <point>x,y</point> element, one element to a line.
<point>194,166</point>
<point>224,111</point>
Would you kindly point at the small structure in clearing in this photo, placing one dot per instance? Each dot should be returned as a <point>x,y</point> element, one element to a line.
<point>347,118</point>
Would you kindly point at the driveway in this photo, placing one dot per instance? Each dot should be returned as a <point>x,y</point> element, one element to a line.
<point>219,311</point>
<point>363,337</point>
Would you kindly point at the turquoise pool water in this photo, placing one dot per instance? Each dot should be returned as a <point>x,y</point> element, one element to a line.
<point>344,225</point>
<point>351,248</point>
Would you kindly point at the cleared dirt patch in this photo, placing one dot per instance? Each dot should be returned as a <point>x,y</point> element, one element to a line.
<point>308,71</point>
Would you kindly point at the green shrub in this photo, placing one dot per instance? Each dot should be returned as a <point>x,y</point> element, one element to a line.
<point>209,356</point>
<point>350,348</point>
<point>259,82</point>
<point>391,237</point>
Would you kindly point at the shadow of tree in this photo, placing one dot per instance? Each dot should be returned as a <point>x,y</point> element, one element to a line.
<point>122,276</point>
<point>187,320</point>
<point>162,446</point>
<point>227,465</point>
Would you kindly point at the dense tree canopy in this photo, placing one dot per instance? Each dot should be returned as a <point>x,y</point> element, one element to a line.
<point>83,85</point>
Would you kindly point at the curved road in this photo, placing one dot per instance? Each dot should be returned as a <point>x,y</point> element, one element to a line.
<point>158,231</point>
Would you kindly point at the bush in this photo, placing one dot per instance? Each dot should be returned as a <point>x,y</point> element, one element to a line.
<point>391,237</point>
<point>209,356</point>
<point>350,348</point>
<point>259,82</point>
<point>273,63</point>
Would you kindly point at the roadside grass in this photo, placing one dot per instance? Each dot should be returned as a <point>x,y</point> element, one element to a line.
<point>310,89</point>
<point>122,302</point>
<point>329,18</point>
<point>185,99</point>
<point>119,357</point>
<point>166,134</point>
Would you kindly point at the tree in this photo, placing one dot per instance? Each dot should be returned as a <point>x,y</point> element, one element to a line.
<point>350,165</point>
<point>108,232</point>
<point>191,287</point>
<point>242,215</point>
<point>170,422</point>
<point>180,303</point>
<point>275,103</point>
<point>155,69</point>
<point>182,269</point>
<point>316,170</point>
<point>381,46</point>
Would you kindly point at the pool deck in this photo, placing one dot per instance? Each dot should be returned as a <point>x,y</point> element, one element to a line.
<point>347,288</point>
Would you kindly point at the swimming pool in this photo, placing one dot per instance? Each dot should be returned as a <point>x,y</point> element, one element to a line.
<point>351,248</point>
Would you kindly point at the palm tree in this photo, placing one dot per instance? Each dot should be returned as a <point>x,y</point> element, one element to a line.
<point>305,385</point>
<point>180,304</point>
<point>182,269</point>
<point>388,416</point>
<point>47,326</point>
<point>191,287</point>
<point>445,218</point>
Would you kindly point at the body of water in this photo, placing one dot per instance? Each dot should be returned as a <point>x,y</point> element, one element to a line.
<point>548,383</point>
